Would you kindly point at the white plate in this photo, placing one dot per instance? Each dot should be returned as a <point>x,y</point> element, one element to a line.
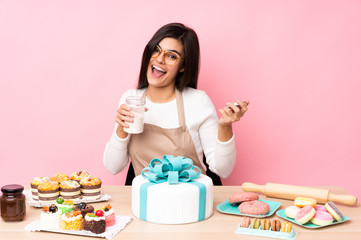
<point>39,204</point>
<point>110,232</point>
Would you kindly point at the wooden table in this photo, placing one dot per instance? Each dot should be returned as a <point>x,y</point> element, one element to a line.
<point>219,226</point>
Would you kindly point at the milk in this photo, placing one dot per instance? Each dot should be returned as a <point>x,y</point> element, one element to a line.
<point>137,105</point>
<point>136,126</point>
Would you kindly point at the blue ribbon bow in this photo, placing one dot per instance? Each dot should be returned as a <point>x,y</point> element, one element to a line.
<point>171,169</point>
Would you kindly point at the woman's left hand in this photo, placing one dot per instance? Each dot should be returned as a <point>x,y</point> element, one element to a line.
<point>232,112</point>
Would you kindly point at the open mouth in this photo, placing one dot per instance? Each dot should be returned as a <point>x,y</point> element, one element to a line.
<point>158,72</point>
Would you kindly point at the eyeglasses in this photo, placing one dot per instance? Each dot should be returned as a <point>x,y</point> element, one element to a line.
<point>170,57</point>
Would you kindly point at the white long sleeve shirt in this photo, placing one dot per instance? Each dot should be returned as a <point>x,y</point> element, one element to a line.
<point>202,123</point>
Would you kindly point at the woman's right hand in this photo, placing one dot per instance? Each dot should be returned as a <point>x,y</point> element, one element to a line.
<point>124,115</point>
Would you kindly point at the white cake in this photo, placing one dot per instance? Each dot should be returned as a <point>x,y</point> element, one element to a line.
<point>172,203</point>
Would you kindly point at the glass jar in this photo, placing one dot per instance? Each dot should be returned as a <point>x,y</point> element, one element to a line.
<point>13,206</point>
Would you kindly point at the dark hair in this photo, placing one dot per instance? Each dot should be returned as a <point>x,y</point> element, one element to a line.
<point>189,39</point>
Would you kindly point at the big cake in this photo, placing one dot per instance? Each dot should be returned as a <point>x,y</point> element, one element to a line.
<point>170,191</point>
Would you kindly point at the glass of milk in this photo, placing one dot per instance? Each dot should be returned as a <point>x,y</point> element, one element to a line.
<point>137,105</point>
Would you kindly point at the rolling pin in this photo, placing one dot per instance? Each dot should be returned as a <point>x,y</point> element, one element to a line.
<point>291,192</point>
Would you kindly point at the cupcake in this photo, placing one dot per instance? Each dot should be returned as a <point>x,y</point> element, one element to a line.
<point>65,206</point>
<point>95,222</point>
<point>84,208</point>
<point>34,186</point>
<point>59,177</point>
<point>70,190</point>
<point>109,215</point>
<point>72,221</point>
<point>50,217</point>
<point>78,176</point>
<point>48,192</point>
<point>91,188</point>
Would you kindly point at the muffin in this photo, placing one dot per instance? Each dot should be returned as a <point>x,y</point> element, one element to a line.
<point>48,192</point>
<point>34,186</point>
<point>70,190</point>
<point>95,222</point>
<point>109,215</point>
<point>84,208</point>
<point>72,221</point>
<point>91,188</point>
<point>50,217</point>
<point>78,176</point>
<point>66,205</point>
<point>59,177</point>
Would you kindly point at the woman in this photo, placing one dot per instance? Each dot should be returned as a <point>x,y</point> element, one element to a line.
<point>180,120</point>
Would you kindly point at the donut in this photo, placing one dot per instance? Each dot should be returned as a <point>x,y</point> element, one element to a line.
<point>265,224</point>
<point>276,225</point>
<point>245,222</point>
<point>333,210</point>
<point>320,208</point>
<point>304,201</point>
<point>322,218</point>
<point>237,198</point>
<point>255,207</point>
<point>255,223</point>
<point>292,211</point>
<point>287,227</point>
<point>305,214</point>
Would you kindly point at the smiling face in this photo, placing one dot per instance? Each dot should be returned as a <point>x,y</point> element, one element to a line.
<point>159,73</point>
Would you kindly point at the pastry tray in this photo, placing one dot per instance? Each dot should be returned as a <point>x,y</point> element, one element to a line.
<point>110,232</point>
<point>39,204</point>
<point>266,233</point>
<point>281,214</point>
<point>226,207</point>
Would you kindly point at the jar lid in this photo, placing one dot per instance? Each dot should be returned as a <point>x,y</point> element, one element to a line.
<point>12,188</point>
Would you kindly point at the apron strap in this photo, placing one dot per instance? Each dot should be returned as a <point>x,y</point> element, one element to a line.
<point>180,108</point>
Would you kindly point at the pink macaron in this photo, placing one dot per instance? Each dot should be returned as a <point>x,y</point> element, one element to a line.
<point>245,222</point>
<point>238,198</point>
<point>255,207</point>
<point>320,208</point>
<point>322,218</point>
<point>305,214</point>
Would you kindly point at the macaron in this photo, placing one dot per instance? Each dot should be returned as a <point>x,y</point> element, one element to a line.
<point>276,225</point>
<point>255,207</point>
<point>265,224</point>
<point>255,223</point>
<point>287,227</point>
<point>322,218</point>
<point>320,208</point>
<point>237,198</point>
<point>305,214</point>
<point>292,211</point>
<point>304,201</point>
<point>245,222</point>
<point>333,210</point>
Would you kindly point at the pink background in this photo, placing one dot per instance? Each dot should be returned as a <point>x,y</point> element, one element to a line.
<point>64,66</point>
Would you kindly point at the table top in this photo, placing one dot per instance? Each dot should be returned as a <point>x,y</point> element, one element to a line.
<point>219,226</point>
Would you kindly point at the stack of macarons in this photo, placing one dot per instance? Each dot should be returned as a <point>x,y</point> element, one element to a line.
<point>266,224</point>
<point>306,210</point>
<point>249,204</point>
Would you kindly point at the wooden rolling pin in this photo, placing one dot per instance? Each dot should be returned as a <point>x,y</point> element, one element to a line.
<point>291,192</point>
